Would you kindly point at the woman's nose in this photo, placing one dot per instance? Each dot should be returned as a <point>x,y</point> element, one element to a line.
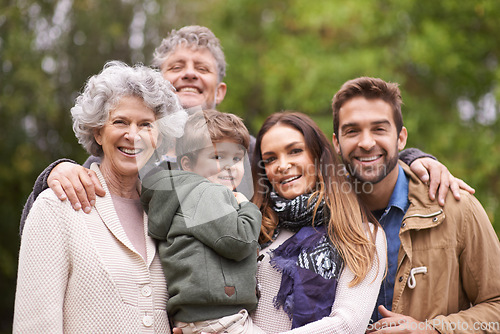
<point>132,132</point>
<point>284,165</point>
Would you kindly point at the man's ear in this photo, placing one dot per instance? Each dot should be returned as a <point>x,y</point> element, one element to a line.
<point>220,92</point>
<point>335,143</point>
<point>186,163</point>
<point>403,136</point>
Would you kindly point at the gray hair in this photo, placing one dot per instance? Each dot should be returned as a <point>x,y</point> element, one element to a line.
<point>103,92</point>
<point>193,37</point>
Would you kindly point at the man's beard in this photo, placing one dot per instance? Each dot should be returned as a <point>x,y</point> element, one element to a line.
<point>375,175</point>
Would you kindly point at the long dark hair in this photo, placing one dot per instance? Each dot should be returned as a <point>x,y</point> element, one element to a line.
<point>347,226</point>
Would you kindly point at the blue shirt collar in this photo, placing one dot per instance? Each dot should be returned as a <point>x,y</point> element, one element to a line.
<point>391,221</point>
<point>399,197</point>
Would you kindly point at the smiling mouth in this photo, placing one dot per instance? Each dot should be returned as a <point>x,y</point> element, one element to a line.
<point>130,151</point>
<point>369,159</point>
<point>290,179</point>
<point>189,90</point>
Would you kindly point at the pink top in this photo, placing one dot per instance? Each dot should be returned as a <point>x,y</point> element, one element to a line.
<point>131,214</point>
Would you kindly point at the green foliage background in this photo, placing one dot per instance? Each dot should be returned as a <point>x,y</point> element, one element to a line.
<point>282,54</point>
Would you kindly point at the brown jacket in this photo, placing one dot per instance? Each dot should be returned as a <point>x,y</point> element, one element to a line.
<point>454,254</point>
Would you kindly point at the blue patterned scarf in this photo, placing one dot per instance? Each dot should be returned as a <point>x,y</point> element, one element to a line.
<point>309,263</point>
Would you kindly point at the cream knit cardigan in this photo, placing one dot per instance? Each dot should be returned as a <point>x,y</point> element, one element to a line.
<point>79,273</point>
<point>351,310</point>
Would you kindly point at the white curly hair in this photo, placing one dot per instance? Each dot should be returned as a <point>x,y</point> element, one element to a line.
<point>193,37</point>
<point>103,92</point>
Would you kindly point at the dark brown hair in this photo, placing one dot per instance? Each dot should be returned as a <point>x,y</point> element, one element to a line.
<point>347,226</point>
<point>369,88</point>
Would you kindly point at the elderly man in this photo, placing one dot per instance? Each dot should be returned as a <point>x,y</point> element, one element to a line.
<point>443,261</point>
<point>192,59</point>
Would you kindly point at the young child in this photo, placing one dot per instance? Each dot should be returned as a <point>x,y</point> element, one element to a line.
<point>207,233</point>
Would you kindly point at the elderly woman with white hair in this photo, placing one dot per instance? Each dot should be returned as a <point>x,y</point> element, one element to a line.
<point>100,272</point>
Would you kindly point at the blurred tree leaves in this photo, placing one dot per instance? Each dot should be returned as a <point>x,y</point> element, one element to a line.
<point>282,55</point>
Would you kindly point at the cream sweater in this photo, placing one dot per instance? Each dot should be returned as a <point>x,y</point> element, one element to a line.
<point>351,310</point>
<point>79,273</point>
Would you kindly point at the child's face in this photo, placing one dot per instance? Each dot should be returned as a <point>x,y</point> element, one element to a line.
<point>221,163</point>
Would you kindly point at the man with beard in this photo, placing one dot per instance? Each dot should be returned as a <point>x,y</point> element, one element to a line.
<point>192,59</point>
<point>443,262</point>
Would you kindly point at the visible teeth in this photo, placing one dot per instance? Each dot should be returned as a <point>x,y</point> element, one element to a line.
<point>364,159</point>
<point>225,177</point>
<point>189,89</point>
<point>290,179</point>
<point>130,151</point>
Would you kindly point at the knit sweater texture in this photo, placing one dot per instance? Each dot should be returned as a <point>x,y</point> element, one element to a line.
<point>79,273</point>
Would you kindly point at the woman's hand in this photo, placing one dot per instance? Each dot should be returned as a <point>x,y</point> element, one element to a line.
<point>439,178</point>
<point>77,184</point>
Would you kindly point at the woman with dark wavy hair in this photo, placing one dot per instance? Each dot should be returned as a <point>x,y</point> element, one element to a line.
<point>323,256</point>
